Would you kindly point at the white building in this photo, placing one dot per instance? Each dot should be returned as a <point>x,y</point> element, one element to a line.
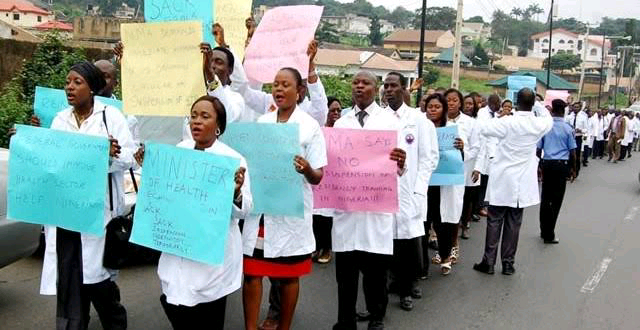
<point>23,13</point>
<point>358,25</point>
<point>570,43</point>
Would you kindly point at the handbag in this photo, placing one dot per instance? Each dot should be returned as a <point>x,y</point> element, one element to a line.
<point>116,247</point>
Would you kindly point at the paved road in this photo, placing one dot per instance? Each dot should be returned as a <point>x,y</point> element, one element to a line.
<point>590,280</point>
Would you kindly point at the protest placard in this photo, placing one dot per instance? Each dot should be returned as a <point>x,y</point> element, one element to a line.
<point>232,14</point>
<point>182,10</point>
<point>184,202</point>
<point>360,176</point>
<point>551,95</point>
<point>450,170</point>
<point>47,103</point>
<point>162,68</point>
<point>269,150</point>
<point>516,83</point>
<point>58,178</point>
<point>281,40</point>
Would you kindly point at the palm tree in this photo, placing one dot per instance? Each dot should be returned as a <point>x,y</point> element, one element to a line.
<point>535,9</point>
<point>517,12</point>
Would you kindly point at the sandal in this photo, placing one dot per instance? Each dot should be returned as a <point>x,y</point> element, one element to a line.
<point>436,260</point>
<point>455,253</point>
<point>445,268</point>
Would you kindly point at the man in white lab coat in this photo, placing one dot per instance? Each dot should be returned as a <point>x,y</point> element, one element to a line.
<point>487,149</point>
<point>363,241</point>
<point>513,180</point>
<point>417,136</point>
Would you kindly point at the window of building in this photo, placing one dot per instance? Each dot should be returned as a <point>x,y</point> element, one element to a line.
<point>546,51</point>
<point>593,52</point>
<point>16,17</point>
<point>570,51</point>
<point>561,51</point>
<point>570,42</point>
<point>39,18</point>
<point>537,39</point>
<point>561,41</point>
<point>545,40</point>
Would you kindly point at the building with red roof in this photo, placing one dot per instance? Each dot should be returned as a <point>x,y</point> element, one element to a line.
<point>23,13</point>
<point>54,25</point>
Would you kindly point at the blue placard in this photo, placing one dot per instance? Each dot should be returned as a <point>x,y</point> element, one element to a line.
<point>450,170</point>
<point>184,203</point>
<point>47,103</point>
<point>269,150</point>
<point>58,178</point>
<point>182,10</point>
<point>516,83</point>
<point>110,101</point>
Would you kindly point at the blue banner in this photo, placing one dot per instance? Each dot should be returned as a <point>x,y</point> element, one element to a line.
<point>516,83</point>
<point>450,170</point>
<point>182,10</point>
<point>184,203</point>
<point>269,150</point>
<point>58,178</point>
<point>47,103</point>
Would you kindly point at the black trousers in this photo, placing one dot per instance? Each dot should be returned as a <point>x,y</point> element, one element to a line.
<point>74,298</point>
<point>623,152</point>
<point>469,204</point>
<point>586,154</point>
<point>444,231</point>
<point>598,148</point>
<point>208,315</point>
<point>406,265</point>
<point>554,184</point>
<point>374,268</point>
<point>505,220</point>
<point>578,153</point>
<point>482,192</point>
<point>322,231</point>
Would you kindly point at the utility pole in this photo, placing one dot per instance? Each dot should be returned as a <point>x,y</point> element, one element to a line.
<point>584,60</point>
<point>421,57</point>
<point>455,76</point>
<point>550,46</point>
<point>604,40</point>
<point>615,93</point>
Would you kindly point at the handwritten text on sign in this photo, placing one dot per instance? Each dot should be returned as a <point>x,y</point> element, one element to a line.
<point>162,68</point>
<point>360,176</point>
<point>269,150</point>
<point>49,101</point>
<point>184,203</point>
<point>182,10</point>
<point>58,178</point>
<point>450,170</point>
<point>231,14</point>
<point>281,40</point>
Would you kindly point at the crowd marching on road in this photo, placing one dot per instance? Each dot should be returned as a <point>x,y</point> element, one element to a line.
<point>508,147</point>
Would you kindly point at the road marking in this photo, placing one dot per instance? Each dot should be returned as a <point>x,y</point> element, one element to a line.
<point>596,276</point>
<point>632,213</point>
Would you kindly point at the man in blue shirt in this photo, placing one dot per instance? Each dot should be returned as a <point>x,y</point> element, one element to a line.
<point>558,164</point>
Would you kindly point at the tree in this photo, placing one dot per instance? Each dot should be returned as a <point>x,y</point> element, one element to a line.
<point>328,32</point>
<point>479,55</point>
<point>437,18</point>
<point>570,24</point>
<point>475,19</point>
<point>399,17</point>
<point>517,31</point>
<point>533,9</point>
<point>338,86</point>
<point>430,74</point>
<point>374,31</point>
<point>562,62</point>
<point>516,12</point>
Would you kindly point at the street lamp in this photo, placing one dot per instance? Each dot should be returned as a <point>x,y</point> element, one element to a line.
<point>604,40</point>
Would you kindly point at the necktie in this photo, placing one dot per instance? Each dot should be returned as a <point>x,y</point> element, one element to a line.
<point>361,116</point>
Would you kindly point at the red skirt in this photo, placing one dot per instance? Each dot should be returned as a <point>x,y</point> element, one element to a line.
<point>282,267</point>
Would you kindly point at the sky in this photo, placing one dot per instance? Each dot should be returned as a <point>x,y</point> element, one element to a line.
<point>591,11</point>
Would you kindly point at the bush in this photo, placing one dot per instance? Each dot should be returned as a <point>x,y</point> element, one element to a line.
<point>338,87</point>
<point>13,109</point>
<point>499,67</point>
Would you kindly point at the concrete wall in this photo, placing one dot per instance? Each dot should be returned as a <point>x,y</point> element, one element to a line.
<point>95,28</point>
<point>12,54</point>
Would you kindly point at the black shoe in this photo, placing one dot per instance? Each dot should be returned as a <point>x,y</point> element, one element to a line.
<point>551,241</point>
<point>484,268</point>
<point>375,325</point>
<point>345,326</point>
<point>433,245</point>
<point>585,165</point>
<point>363,316</point>
<point>507,268</point>
<point>406,303</point>
<point>475,218</point>
<point>416,293</point>
<point>465,233</point>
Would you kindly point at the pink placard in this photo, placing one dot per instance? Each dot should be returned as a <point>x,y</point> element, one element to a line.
<point>554,95</point>
<point>360,176</point>
<point>281,40</point>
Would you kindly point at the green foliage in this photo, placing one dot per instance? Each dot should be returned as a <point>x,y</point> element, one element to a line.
<point>327,32</point>
<point>430,74</point>
<point>570,24</point>
<point>339,87</point>
<point>499,67</point>
<point>400,17</point>
<point>375,37</point>
<point>48,68</point>
<point>479,56</point>
<point>516,30</point>
<point>467,84</point>
<point>475,19</point>
<point>437,18</point>
<point>562,62</point>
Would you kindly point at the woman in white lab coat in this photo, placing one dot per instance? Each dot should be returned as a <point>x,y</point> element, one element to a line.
<point>194,293</point>
<point>444,202</point>
<point>281,246</point>
<point>73,260</point>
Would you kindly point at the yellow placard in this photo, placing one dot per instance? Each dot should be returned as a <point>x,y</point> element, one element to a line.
<point>231,14</point>
<point>161,68</point>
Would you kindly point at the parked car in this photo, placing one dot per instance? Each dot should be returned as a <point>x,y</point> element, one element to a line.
<point>17,239</point>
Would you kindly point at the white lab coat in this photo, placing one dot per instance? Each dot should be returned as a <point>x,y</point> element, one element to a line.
<point>469,133</point>
<point>187,282</point>
<point>598,126</point>
<point>487,144</point>
<point>452,197</point>
<point>233,104</point>
<point>365,231</point>
<point>92,246</point>
<point>418,138</point>
<point>630,130</point>
<point>284,235</point>
<point>513,180</point>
